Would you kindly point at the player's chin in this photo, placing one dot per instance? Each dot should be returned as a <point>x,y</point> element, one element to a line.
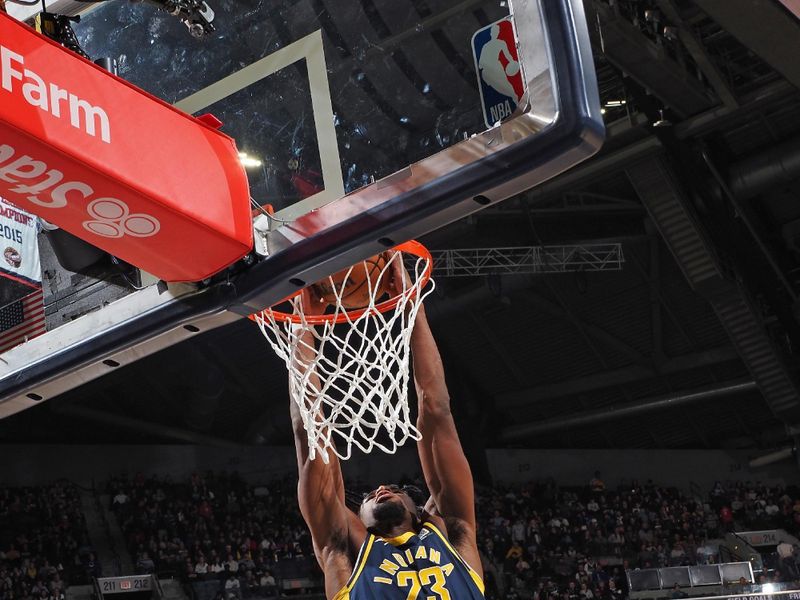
<point>389,511</point>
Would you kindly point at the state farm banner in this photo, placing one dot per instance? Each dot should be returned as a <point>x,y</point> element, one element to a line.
<point>115,166</point>
<point>19,248</point>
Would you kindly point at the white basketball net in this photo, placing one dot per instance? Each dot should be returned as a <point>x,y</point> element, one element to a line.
<point>352,387</point>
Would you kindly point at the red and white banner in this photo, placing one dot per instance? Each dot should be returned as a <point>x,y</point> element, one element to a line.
<point>19,246</point>
<point>115,166</point>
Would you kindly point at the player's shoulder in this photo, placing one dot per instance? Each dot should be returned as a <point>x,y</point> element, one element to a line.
<point>453,529</point>
<point>434,522</point>
<point>456,533</point>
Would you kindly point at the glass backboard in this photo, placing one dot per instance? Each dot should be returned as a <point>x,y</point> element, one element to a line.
<point>362,123</point>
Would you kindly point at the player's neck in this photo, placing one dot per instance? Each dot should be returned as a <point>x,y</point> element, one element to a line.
<point>395,530</point>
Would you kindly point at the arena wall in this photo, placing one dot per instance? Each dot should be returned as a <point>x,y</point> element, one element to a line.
<point>22,464</point>
<point>668,467</point>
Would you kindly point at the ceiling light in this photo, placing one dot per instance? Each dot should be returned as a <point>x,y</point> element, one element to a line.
<point>662,122</point>
<point>249,161</point>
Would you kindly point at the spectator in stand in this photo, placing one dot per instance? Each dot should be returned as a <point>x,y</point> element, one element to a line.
<point>251,586</point>
<point>596,484</point>
<point>231,565</point>
<point>678,593</point>
<point>677,556</point>
<point>267,584</point>
<point>216,568</point>
<point>119,501</point>
<point>145,564</point>
<point>787,554</point>
<point>201,568</point>
<point>726,518</point>
<point>188,571</point>
<point>232,588</point>
<point>246,558</point>
<point>518,532</point>
<point>93,567</point>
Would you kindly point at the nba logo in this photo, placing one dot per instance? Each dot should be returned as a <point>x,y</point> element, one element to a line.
<point>497,66</point>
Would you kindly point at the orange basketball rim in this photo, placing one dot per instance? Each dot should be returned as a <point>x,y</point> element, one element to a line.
<point>344,315</point>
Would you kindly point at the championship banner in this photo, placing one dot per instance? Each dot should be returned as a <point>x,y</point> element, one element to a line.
<point>19,247</point>
<point>115,166</point>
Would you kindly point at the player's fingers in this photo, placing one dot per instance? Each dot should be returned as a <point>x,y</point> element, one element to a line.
<point>313,301</point>
<point>311,296</point>
<point>398,272</point>
<point>306,296</point>
<point>315,294</point>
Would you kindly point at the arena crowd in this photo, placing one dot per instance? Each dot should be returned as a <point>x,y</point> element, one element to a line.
<point>552,543</point>
<point>44,545</point>
<point>227,539</point>
<point>215,527</point>
<point>537,540</point>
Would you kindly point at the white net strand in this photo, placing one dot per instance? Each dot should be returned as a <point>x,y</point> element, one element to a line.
<point>352,387</point>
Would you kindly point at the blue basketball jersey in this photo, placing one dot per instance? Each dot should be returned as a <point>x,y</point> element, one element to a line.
<point>414,565</point>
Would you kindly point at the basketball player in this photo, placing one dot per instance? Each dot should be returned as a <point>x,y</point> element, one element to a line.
<point>393,549</point>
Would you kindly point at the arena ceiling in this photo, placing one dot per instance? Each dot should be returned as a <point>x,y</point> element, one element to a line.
<point>692,344</point>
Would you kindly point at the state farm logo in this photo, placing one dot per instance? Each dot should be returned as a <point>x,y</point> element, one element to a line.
<point>112,219</point>
<point>24,178</point>
<point>49,97</point>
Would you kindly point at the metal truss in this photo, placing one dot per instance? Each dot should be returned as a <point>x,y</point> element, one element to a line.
<point>527,260</point>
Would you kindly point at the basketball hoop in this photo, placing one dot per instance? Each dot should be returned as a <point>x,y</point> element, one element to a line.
<point>352,386</point>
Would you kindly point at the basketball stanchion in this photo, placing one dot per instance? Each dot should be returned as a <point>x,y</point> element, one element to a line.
<point>349,368</point>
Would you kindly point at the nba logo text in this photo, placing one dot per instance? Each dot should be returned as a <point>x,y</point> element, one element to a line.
<point>499,72</point>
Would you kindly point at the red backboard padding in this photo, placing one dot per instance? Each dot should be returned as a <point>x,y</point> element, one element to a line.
<point>115,166</point>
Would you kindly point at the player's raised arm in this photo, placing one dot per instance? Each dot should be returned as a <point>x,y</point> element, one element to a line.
<point>320,491</point>
<point>444,465</point>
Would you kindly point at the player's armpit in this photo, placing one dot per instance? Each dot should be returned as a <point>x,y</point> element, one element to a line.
<point>463,537</point>
<point>460,534</point>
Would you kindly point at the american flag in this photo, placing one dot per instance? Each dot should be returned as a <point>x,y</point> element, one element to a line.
<point>22,320</point>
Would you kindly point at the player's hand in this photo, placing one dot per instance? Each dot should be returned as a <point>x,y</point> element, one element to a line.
<point>313,302</point>
<point>399,282</point>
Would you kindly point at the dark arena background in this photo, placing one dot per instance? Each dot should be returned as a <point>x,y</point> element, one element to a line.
<point>621,339</point>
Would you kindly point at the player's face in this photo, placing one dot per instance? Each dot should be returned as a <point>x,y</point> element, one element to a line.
<point>384,492</point>
<point>387,506</point>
